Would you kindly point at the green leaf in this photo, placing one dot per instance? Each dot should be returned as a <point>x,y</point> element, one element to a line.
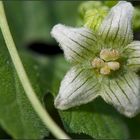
<point>33,20</point>
<point>96,119</point>
<point>17,116</point>
<point>56,67</point>
<point>136,18</point>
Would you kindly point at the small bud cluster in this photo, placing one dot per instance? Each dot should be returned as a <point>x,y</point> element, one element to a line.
<point>107,61</point>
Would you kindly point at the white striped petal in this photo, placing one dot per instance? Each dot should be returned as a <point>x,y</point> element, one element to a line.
<point>116,27</point>
<point>78,43</point>
<point>134,55</point>
<point>124,94</point>
<point>79,86</point>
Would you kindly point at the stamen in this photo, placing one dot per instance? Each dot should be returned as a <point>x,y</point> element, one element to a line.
<point>109,55</point>
<point>113,65</point>
<point>97,63</point>
<point>105,70</point>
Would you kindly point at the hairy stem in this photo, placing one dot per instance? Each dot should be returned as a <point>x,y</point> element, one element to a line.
<point>42,113</point>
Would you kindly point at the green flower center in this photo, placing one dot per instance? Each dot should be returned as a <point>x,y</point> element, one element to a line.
<point>107,61</point>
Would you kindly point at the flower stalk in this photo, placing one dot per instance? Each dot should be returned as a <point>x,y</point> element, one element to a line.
<point>29,91</point>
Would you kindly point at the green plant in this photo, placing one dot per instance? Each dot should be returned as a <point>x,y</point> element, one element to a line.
<point>29,81</point>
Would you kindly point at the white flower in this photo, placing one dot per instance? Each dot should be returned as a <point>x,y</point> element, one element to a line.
<point>104,63</point>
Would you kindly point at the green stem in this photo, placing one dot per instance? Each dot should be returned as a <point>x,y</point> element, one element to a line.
<point>42,113</point>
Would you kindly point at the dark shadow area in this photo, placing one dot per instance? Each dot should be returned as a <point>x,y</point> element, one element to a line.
<point>49,104</point>
<point>48,101</point>
<point>4,135</point>
<point>44,48</point>
<point>135,2</point>
<point>136,35</point>
<point>134,128</point>
<point>79,136</point>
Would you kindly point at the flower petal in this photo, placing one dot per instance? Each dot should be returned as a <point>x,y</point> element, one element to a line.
<point>116,27</point>
<point>77,43</point>
<point>79,86</point>
<point>124,94</point>
<point>134,55</point>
